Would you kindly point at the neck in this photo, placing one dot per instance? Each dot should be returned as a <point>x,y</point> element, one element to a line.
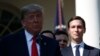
<point>76,42</point>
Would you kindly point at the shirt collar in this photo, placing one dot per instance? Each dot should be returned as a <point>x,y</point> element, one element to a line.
<point>28,36</point>
<point>74,44</point>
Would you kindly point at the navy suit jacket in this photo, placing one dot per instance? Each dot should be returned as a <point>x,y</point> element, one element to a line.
<point>16,45</point>
<point>88,51</point>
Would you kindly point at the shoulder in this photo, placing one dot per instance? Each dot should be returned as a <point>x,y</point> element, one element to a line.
<point>92,49</point>
<point>50,41</point>
<point>12,36</point>
<point>64,49</point>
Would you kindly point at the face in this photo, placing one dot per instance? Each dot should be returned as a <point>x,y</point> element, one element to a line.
<point>62,40</point>
<point>32,22</point>
<point>76,30</point>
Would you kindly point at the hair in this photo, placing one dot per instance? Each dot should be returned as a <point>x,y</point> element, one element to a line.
<point>48,31</point>
<point>30,8</point>
<point>77,18</point>
<point>61,32</point>
<point>64,33</point>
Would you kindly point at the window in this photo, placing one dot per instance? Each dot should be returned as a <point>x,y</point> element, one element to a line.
<point>9,19</point>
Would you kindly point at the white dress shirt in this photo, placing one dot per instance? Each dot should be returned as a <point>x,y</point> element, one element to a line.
<point>29,43</point>
<point>81,48</point>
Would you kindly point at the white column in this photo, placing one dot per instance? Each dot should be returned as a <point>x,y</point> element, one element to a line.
<point>89,11</point>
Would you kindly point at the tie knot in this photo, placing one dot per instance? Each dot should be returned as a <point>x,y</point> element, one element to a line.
<point>34,38</point>
<point>77,50</point>
<point>77,46</point>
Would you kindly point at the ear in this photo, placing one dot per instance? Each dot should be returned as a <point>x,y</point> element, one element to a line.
<point>68,31</point>
<point>84,30</point>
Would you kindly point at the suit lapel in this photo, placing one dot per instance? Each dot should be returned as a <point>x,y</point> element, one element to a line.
<point>23,44</point>
<point>86,50</point>
<point>70,52</point>
<point>43,44</point>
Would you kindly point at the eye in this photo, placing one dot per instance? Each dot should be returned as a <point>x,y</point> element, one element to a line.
<point>38,15</point>
<point>31,16</point>
<point>64,41</point>
<point>72,26</point>
<point>79,26</point>
<point>59,40</point>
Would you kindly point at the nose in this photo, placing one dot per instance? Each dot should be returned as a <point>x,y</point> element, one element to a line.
<point>76,29</point>
<point>35,18</point>
<point>61,42</point>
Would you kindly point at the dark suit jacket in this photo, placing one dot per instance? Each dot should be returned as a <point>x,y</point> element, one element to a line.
<point>88,51</point>
<point>16,45</point>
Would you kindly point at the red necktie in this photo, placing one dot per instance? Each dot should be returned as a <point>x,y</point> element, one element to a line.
<point>34,48</point>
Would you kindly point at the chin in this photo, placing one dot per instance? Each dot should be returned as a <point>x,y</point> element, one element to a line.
<point>76,38</point>
<point>35,29</point>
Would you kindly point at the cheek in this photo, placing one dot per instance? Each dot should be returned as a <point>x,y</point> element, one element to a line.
<point>41,22</point>
<point>70,31</point>
<point>70,34</point>
<point>60,42</point>
<point>81,31</point>
<point>28,24</point>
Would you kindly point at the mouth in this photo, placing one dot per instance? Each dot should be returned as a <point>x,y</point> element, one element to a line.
<point>76,34</point>
<point>62,46</point>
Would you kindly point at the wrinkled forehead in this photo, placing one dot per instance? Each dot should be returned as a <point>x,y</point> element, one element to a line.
<point>33,13</point>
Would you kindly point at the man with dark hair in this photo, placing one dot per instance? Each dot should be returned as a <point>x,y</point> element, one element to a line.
<point>62,38</point>
<point>76,29</point>
<point>27,41</point>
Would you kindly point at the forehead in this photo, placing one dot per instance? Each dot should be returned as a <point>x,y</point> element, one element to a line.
<point>31,12</point>
<point>76,22</point>
<point>61,36</point>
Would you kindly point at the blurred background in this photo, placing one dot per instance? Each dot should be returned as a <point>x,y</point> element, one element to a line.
<point>88,9</point>
<point>9,13</point>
